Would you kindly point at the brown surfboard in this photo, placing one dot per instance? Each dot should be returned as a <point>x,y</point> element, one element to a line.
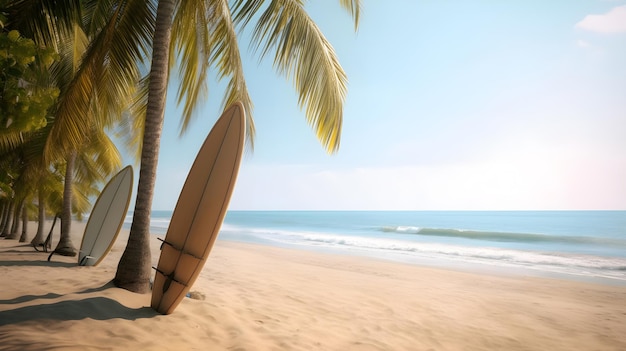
<point>200,210</point>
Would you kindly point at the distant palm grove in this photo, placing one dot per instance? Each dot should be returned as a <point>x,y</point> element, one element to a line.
<point>75,75</point>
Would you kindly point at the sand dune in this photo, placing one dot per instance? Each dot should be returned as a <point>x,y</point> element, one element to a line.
<point>265,298</point>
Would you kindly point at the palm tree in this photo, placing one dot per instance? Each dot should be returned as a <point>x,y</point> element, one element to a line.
<point>21,194</point>
<point>48,183</point>
<point>9,163</point>
<point>101,46</point>
<point>28,206</point>
<point>204,34</point>
<point>4,210</point>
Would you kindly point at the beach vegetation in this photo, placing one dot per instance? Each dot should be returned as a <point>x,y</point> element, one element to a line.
<point>96,74</point>
<point>23,102</point>
<point>25,99</point>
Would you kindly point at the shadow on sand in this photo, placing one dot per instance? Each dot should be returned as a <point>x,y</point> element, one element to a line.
<point>43,263</point>
<point>15,250</point>
<point>97,308</point>
<point>27,298</point>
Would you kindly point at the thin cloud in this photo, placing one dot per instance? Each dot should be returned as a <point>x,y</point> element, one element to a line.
<point>613,21</point>
<point>583,44</point>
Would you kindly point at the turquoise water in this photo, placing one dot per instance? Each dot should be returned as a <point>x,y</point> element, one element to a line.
<point>588,245</point>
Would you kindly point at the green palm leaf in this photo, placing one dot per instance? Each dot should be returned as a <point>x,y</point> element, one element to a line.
<point>204,37</point>
<point>108,73</point>
<point>44,20</point>
<point>226,57</point>
<point>9,141</point>
<point>303,54</point>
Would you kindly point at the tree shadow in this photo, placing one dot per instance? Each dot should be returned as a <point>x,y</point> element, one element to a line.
<point>37,263</point>
<point>97,308</point>
<point>17,252</point>
<point>12,251</point>
<point>27,298</point>
<point>107,285</point>
<point>22,244</point>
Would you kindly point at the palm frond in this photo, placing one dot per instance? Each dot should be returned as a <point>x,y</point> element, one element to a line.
<point>121,89</point>
<point>10,140</point>
<point>70,124</point>
<point>101,89</point>
<point>302,53</point>
<point>76,83</point>
<point>54,188</point>
<point>354,7</point>
<point>86,169</point>
<point>43,20</point>
<point>96,14</point>
<point>204,37</point>
<point>33,148</point>
<point>126,39</point>
<point>82,192</point>
<point>226,57</point>
<point>191,47</point>
<point>130,127</point>
<point>106,155</point>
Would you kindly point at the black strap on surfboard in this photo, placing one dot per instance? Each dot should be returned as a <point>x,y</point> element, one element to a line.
<point>84,260</point>
<point>169,279</point>
<point>179,249</point>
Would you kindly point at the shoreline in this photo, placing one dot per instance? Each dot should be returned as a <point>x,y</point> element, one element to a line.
<point>259,297</point>
<point>534,243</point>
<point>450,265</point>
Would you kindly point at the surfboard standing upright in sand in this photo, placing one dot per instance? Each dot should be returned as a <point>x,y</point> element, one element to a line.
<point>106,218</point>
<point>200,210</point>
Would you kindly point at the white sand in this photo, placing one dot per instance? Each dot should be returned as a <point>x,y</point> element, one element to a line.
<point>264,298</point>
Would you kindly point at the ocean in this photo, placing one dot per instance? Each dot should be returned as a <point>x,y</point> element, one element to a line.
<point>579,245</point>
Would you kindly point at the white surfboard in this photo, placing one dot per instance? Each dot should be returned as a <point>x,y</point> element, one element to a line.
<point>106,218</point>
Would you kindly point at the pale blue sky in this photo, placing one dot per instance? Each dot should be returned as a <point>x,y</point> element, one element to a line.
<point>452,105</point>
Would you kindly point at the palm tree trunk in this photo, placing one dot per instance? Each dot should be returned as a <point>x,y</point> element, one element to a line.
<point>17,214</point>
<point>2,213</point>
<point>5,218</point>
<point>41,219</point>
<point>24,235</point>
<point>134,269</point>
<point>47,244</point>
<point>65,246</point>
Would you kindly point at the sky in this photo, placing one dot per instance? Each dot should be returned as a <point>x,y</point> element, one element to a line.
<point>451,105</point>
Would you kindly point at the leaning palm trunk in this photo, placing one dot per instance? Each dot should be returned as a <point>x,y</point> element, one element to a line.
<point>47,243</point>
<point>24,235</point>
<point>133,271</point>
<point>41,219</point>
<point>65,246</point>
<point>6,218</point>
<point>16,220</point>
<point>2,214</point>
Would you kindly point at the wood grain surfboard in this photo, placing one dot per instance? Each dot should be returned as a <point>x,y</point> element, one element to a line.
<point>200,210</point>
<point>106,218</point>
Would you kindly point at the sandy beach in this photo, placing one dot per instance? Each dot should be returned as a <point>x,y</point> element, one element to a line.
<point>252,297</point>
